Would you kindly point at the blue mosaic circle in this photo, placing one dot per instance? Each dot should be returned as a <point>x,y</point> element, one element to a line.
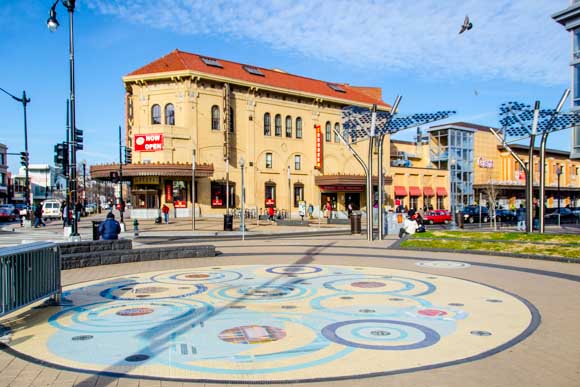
<point>294,269</point>
<point>333,332</point>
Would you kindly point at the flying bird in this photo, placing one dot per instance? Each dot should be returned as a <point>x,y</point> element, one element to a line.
<point>467,25</point>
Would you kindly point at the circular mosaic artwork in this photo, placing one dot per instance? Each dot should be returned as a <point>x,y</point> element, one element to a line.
<point>444,264</point>
<point>281,323</point>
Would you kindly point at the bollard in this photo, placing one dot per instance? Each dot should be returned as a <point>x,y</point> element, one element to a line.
<point>135,227</point>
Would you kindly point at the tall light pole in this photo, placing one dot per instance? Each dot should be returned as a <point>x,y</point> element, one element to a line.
<point>289,195</point>
<point>84,163</point>
<point>121,202</point>
<point>193,190</point>
<point>559,173</point>
<point>243,214</point>
<point>53,24</point>
<point>24,101</point>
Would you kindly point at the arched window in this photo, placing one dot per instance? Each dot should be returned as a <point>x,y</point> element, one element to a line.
<point>278,125</point>
<point>169,114</point>
<point>327,136</point>
<point>288,126</point>
<point>298,127</point>
<point>232,120</point>
<point>155,114</point>
<point>215,117</point>
<point>267,125</point>
<point>337,129</point>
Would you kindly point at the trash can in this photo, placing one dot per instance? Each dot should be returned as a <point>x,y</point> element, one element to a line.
<point>228,222</point>
<point>96,224</point>
<point>355,218</point>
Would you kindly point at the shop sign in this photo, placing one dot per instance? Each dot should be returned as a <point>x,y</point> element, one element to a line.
<point>318,153</point>
<point>270,202</point>
<point>342,188</point>
<point>484,163</point>
<point>168,191</point>
<point>397,202</point>
<point>217,201</point>
<point>146,180</point>
<point>180,204</point>
<point>148,142</point>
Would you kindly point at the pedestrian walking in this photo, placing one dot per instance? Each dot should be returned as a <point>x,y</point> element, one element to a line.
<point>165,211</point>
<point>38,217</point>
<point>78,211</point>
<point>110,228</point>
<point>521,218</point>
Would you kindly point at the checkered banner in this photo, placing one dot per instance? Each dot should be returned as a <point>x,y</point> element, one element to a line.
<point>516,119</point>
<point>356,121</point>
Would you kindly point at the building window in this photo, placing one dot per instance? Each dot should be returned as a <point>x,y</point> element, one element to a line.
<point>169,114</point>
<point>298,127</point>
<point>327,132</point>
<point>298,193</point>
<point>269,160</point>
<point>155,115</point>
<point>337,129</point>
<point>267,125</point>
<point>179,191</point>
<point>215,117</point>
<point>218,194</point>
<point>440,202</point>
<point>278,125</point>
<point>231,119</point>
<point>414,202</point>
<point>270,194</point>
<point>288,126</point>
<point>297,162</point>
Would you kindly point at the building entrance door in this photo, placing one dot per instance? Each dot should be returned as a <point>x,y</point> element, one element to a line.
<point>328,197</point>
<point>352,198</point>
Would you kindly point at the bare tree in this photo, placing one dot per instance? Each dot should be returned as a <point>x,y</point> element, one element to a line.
<point>492,192</point>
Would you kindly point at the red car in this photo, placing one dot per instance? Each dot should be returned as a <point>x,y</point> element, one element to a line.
<point>6,215</point>
<point>437,216</point>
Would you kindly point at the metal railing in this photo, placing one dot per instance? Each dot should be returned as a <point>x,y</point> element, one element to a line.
<point>28,273</point>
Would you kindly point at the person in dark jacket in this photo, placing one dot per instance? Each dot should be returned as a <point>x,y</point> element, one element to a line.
<point>110,228</point>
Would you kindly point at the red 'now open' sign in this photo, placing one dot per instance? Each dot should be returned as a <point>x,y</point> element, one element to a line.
<point>148,142</point>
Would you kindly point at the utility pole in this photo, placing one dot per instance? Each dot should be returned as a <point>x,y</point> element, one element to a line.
<point>121,202</point>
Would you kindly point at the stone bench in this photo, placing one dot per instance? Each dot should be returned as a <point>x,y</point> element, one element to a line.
<point>338,221</point>
<point>68,248</point>
<point>113,256</point>
<point>290,222</point>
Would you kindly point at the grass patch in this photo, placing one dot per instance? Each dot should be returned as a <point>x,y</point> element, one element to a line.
<point>503,236</point>
<point>501,246</point>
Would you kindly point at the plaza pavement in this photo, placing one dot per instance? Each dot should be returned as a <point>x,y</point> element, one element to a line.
<point>550,356</point>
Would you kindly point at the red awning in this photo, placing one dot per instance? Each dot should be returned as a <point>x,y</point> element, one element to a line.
<point>428,191</point>
<point>441,191</point>
<point>400,191</point>
<point>414,191</point>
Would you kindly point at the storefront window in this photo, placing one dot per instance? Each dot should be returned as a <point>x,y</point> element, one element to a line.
<point>414,202</point>
<point>179,194</point>
<point>440,202</point>
<point>218,195</point>
<point>144,198</point>
<point>298,194</point>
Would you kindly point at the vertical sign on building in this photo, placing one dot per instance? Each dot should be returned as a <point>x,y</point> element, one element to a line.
<point>318,156</point>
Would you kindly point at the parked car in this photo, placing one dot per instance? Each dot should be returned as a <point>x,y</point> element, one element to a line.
<point>91,208</point>
<point>7,214</point>
<point>471,214</point>
<point>504,215</point>
<point>51,209</point>
<point>565,214</point>
<point>10,207</point>
<point>437,216</point>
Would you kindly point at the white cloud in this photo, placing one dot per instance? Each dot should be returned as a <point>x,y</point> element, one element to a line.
<point>511,39</point>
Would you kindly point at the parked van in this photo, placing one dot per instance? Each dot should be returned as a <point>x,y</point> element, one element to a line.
<point>51,209</point>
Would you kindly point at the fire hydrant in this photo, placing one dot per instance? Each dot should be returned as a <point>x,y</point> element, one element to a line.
<point>135,227</point>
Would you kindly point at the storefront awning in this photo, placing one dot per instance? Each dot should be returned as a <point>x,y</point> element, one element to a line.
<point>400,191</point>
<point>103,172</point>
<point>414,191</point>
<point>428,191</point>
<point>441,191</point>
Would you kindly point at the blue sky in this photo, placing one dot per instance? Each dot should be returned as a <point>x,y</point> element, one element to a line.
<point>514,52</point>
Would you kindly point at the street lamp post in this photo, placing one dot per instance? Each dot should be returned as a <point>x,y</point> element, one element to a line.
<point>559,173</point>
<point>24,101</point>
<point>289,195</point>
<point>84,163</point>
<point>193,190</point>
<point>243,214</point>
<point>53,24</point>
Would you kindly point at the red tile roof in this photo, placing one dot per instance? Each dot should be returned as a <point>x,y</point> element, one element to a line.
<point>183,61</point>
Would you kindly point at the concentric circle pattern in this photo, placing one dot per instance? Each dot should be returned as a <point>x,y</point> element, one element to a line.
<point>273,323</point>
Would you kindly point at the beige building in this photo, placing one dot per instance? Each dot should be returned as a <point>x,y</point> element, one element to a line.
<point>281,126</point>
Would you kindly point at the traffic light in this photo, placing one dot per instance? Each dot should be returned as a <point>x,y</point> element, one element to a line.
<point>79,139</point>
<point>114,177</point>
<point>128,155</point>
<point>24,159</point>
<point>59,155</point>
